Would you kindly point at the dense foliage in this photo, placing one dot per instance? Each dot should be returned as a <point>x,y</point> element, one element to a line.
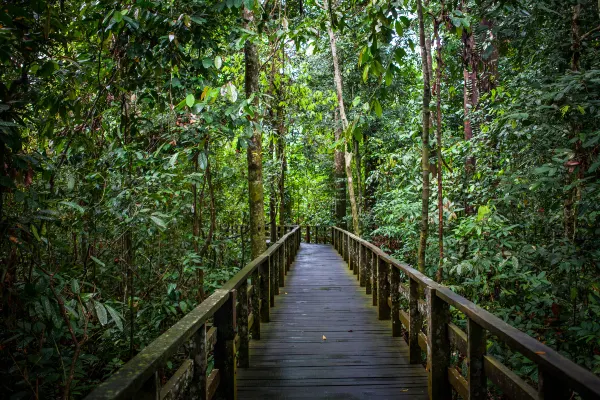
<point>124,187</point>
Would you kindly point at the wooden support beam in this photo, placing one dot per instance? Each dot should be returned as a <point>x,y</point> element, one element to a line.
<point>264,284</point>
<point>383,289</point>
<point>415,323</point>
<point>395,301</point>
<point>476,349</point>
<point>438,346</point>
<point>242,325</point>
<point>224,352</point>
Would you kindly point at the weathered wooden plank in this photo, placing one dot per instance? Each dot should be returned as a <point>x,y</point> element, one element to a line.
<point>458,382</point>
<point>458,338</point>
<point>179,382</point>
<point>438,346</point>
<point>383,290</point>
<point>415,323</point>
<point>509,383</point>
<point>199,355</point>
<point>476,349</point>
<point>224,351</point>
<point>322,298</point>
<point>212,383</point>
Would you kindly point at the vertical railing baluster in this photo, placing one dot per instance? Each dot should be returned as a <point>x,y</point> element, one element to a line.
<point>242,326</point>
<point>368,271</point>
<point>198,384</point>
<point>395,295</point>
<point>265,270</point>
<point>354,257</point>
<point>374,277</point>
<point>307,233</point>
<point>361,264</point>
<point>438,346</point>
<point>414,323</point>
<point>476,349</point>
<point>550,388</point>
<point>281,266</point>
<point>151,389</point>
<point>254,301</point>
<point>383,289</point>
<point>224,352</point>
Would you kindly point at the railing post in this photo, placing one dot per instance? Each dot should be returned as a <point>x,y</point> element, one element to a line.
<point>355,257</point>
<point>395,295</point>
<point>350,260</point>
<point>414,323</point>
<point>198,384</point>
<point>362,267</point>
<point>274,272</point>
<point>550,388</point>
<point>242,326</point>
<point>288,254</point>
<point>383,308</point>
<point>265,289</point>
<point>151,389</point>
<point>368,271</point>
<point>476,349</point>
<point>374,259</point>
<point>307,233</point>
<point>224,351</point>
<point>282,266</point>
<point>438,346</point>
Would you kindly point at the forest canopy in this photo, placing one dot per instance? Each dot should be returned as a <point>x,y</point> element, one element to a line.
<point>147,147</point>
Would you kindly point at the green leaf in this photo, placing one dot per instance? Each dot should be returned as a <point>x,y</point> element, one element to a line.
<point>190,100</point>
<point>100,263</point>
<point>73,205</point>
<point>365,75</point>
<point>202,160</point>
<point>159,222</point>
<point>35,232</point>
<point>101,313</point>
<point>207,62</point>
<point>115,317</point>
<point>377,108</point>
<point>118,16</point>
<point>173,160</point>
<point>183,306</point>
<point>75,286</point>
<point>218,62</point>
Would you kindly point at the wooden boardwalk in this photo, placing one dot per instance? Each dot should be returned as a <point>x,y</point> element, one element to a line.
<point>324,340</point>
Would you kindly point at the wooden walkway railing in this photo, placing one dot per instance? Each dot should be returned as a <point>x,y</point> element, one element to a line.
<point>223,324</point>
<point>430,331</point>
<point>236,311</point>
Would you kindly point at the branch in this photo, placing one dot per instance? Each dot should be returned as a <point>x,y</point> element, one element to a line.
<point>585,36</point>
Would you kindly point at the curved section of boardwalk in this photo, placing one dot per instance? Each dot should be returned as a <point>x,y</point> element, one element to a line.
<point>359,359</point>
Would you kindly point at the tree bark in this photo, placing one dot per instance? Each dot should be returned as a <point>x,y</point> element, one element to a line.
<point>254,151</point>
<point>440,194</point>
<point>425,141</point>
<point>339,176</point>
<point>337,77</point>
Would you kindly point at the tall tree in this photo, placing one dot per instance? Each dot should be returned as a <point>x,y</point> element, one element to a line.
<point>337,77</point>
<point>254,151</point>
<point>339,175</point>
<point>425,141</point>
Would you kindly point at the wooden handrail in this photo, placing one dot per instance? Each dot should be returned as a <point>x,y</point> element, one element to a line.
<point>558,375</point>
<point>236,309</point>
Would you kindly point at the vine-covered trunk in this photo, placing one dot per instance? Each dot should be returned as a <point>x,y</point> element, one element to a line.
<point>337,77</point>
<point>425,142</point>
<point>254,152</point>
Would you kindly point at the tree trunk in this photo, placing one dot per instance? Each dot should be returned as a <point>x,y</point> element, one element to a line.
<point>254,152</point>
<point>425,140</point>
<point>337,76</point>
<point>440,194</point>
<point>339,177</point>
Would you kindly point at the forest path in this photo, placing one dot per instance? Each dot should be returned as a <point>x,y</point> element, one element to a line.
<point>358,359</point>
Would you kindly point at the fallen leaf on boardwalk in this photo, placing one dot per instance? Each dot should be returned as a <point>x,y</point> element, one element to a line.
<point>285,292</point>
<point>324,337</point>
<point>404,390</point>
<point>350,330</point>
<point>540,352</point>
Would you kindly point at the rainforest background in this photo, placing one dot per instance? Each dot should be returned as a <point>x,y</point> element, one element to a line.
<point>145,145</point>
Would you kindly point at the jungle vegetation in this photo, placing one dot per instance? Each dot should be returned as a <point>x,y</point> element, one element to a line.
<point>145,145</point>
